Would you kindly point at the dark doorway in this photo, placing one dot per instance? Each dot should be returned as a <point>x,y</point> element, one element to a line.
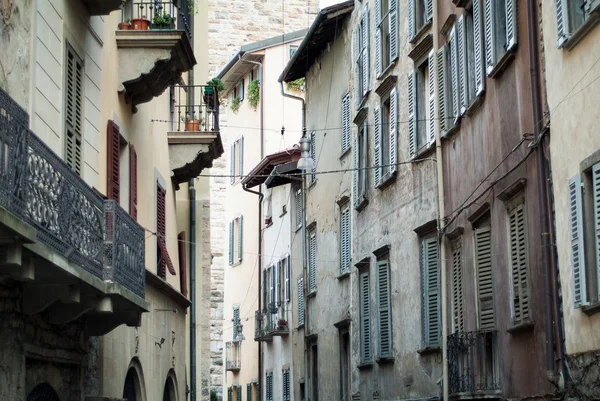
<point>43,392</point>
<point>129,392</point>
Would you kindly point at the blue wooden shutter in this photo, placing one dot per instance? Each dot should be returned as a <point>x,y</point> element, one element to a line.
<point>485,283</point>
<point>356,173</point>
<point>393,30</point>
<point>240,237</point>
<point>577,243</point>
<point>300,301</point>
<point>312,262</point>
<point>431,293</point>
<point>511,24</point>
<point>231,242</point>
<point>431,124</point>
<point>393,129</point>
<point>596,202</point>
<point>378,29</point>
<point>377,139</point>
<point>365,318</point>
<point>478,49</point>
<point>412,114</point>
<point>385,309</point>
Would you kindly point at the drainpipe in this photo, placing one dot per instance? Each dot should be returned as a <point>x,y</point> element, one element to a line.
<point>192,290</point>
<point>441,206</point>
<point>532,22</point>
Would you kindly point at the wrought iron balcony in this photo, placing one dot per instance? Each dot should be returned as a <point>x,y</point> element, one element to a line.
<point>162,15</point>
<point>70,218</point>
<point>259,332</point>
<point>232,356</point>
<point>270,323</point>
<point>195,108</point>
<point>473,364</point>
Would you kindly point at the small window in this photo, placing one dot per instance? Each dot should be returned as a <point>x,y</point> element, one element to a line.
<point>293,50</point>
<point>236,161</point>
<point>250,77</point>
<point>420,13</point>
<point>73,101</point>
<point>236,240</point>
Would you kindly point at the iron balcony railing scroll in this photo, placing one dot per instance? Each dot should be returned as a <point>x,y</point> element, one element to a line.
<point>159,15</point>
<point>473,362</point>
<point>195,108</point>
<point>70,217</point>
<point>232,355</point>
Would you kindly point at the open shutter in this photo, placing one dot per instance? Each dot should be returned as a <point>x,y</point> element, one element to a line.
<point>478,51</point>
<point>240,237</point>
<point>443,100</point>
<point>277,268</point>
<point>229,394</point>
<point>455,73</point>
<point>236,322</point>
<point>265,294</point>
<point>345,242</point>
<point>385,309</point>
<point>288,272</point>
<point>232,164</point>
<point>429,6</point>
<point>300,301</point>
<point>132,182</point>
<point>519,268</point>
<point>346,123</point>
<point>272,285</point>
<point>457,291</point>
<point>240,156</point>
<point>412,114</point>
<point>577,245</point>
<point>378,29</point>
<point>160,231</point>
<point>312,262</point>
<point>485,289</point>
<point>365,318</point>
<point>431,293</point>
<point>431,125</point>
<point>393,30</point>
<point>490,45</point>
<point>596,202</point>
<point>182,263</point>
<point>356,173</point>
<point>461,42</point>
<point>412,24</point>
<point>562,22</point>
<point>358,57</point>
<point>511,24</point>
<point>377,137</point>
<point>113,175</point>
<point>298,201</point>
<point>365,50</point>
<point>231,242</point>
<point>393,129</point>
<point>313,155</point>
<point>74,112</point>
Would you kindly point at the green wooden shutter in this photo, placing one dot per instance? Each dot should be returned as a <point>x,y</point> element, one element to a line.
<point>431,124</point>
<point>519,264</point>
<point>478,49</point>
<point>511,24</point>
<point>485,289</point>
<point>562,22</point>
<point>240,237</point>
<point>249,392</point>
<point>238,393</point>
<point>431,293</point>
<point>269,386</point>
<point>393,129</point>
<point>345,241</point>
<point>313,155</point>
<point>357,172</point>
<point>490,43</point>
<point>236,322</point>
<point>442,86</point>
<point>577,242</point>
<point>365,50</point>
<point>365,318</point>
<point>74,110</point>
<point>312,262</point>
<point>300,301</point>
<point>231,242</point>
<point>346,123</point>
<point>378,27</point>
<point>229,394</point>
<point>377,139</point>
<point>393,30</point>
<point>412,114</point>
<point>596,202</point>
<point>457,291</point>
<point>455,74</point>
<point>412,24</point>
<point>461,42</point>
<point>385,309</point>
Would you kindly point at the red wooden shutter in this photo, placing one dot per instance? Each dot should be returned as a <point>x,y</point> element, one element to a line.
<point>112,150</point>
<point>132,182</point>
<point>161,230</point>
<point>182,263</point>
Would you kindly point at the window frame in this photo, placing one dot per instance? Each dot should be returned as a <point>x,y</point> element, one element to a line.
<point>236,240</point>
<point>236,164</point>
<point>500,44</point>
<point>361,162</point>
<point>385,146</point>
<point>386,51</point>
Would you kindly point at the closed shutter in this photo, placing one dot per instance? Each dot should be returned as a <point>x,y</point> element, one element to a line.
<point>562,22</point>
<point>229,394</point>
<point>457,291</point>
<point>74,111</point>
<point>132,182</point>
<point>442,93</point>
<point>288,278</point>
<point>112,149</point>
<point>596,202</point>
<point>577,245</point>
<point>429,6</point>
<point>393,30</point>
<point>455,74</point>
<point>346,123</point>
<point>412,23</point>
<point>385,309</point>
<point>461,44</point>
<point>377,138</point>
<point>431,125</point>
<point>490,43</point>
<point>478,49</point>
<point>272,283</point>
<point>182,263</point>
<point>378,29</point>
<point>265,294</point>
<point>365,50</point>
<point>240,237</point>
<point>161,230</point>
<point>312,262</point>
<point>485,289</point>
<point>269,386</point>
<point>238,393</point>
<point>240,144</point>
<point>313,155</point>
<point>393,129</point>
<point>365,318</point>
<point>277,268</point>
<point>519,265</point>
<point>231,242</point>
<point>431,293</point>
<point>286,385</point>
<point>511,24</point>
<point>412,114</point>
<point>298,201</point>
<point>345,241</point>
<point>232,164</point>
<point>357,172</point>
<point>236,323</point>
<point>300,301</point>
<point>249,392</point>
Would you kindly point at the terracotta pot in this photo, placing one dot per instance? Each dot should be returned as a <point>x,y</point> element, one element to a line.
<point>124,26</point>
<point>140,24</point>
<point>192,125</point>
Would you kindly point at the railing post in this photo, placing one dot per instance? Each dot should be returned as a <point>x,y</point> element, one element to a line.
<point>108,273</point>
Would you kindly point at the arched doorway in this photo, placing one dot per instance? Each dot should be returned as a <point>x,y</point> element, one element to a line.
<point>43,392</point>
<point>170,392</point>
<point>129,389</point>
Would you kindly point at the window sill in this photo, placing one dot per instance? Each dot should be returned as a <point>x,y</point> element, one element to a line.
<point>420,32</point>
<point>581,32</point>
<point>363,100</point>
<point>362,203</point>
<point>345,152</point>
<point>282,214</point>
<point>502,64</point>
<point>429,351</point>
<point>386,71</point>
<point>236,264</point>
<point>300,326</point>
<point>311,294</point>
<point>385,360</point>
<point>591,309</point>
<point>453,130</point>
<point>364,365</point>
<point>298,228</point>
<point>521,328</point>
<point>387,180</point>
<point>312,184</point>
<point>424,151</point>
<point>475,105</point>
<point>343,276</point>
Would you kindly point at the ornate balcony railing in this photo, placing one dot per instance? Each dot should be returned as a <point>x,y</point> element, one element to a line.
<point>473,362</point>
<point>259,332</point>
<point>157,15</point>
<point>195,108</point>
<point>70,217</point>
<point>232,356</point>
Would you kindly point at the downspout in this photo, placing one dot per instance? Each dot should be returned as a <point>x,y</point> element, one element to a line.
<point>441,206</point>
<point>192,290</point>
<point>532,22</point>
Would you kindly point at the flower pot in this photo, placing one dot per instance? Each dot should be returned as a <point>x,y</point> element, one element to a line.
<point>124,26</point>
<point>140,24</point>
<point>192,125</point>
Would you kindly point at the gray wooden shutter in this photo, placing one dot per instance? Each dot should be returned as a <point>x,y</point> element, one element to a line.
<point>232,164</point>
<point>562,22</point>
<point>73,110</point>
<point>270,386</point>
<point>229,394</point>
<point>457,291</point>
<point>431,116</point>
<point>286,384</point>
<point>377,139</point>
<point>312,262</point>
<point>288,278</point>
<point>478,49</point>
<point>358,59</point>
<point>443,95</point>
<point>249,392</point>
<point>265,293</point>
<point>365,50</point>
<point>385,309</point>
<point>519,265</point>
<point>238,393</point>
<point>345,241</point>
<point>393,30</point>
<point>298,201</point>
<point>272,283</point>
<point>490,43</point>
<point>461,43</point>
<point>511,24</point>
<point>378,28</point>
<point>300,301</point>
<point>240,156</point>
<point>231,242</point>
<point>485,289</point>
<point>277,268</point>
<point>596,201</point>
<point>412,23</point>
<point>431,293</point>
<point>240,237</point>
<point>346,123</point>
<point>412,114</point>
<point>577,243</point>
<point>393,129</point>
<point>356,173</point>
<point>313,155</point>
<point>236,322</point>
<point>455,73</point>
<point>429,6</point>
<point>365,318</point>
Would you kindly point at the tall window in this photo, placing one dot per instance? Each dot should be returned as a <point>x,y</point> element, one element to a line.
<point>73,109</point>
<point>386,36</point>
<point>236,231</point>
<point>361,54</point>
<point>345,239</point>
<point>236,161</point>
<point>345,123</point>
<point>420,102</point>
<point>384,307</point>
<point>361,160</point>
<point>571,16</point>
<point>500,31</point>
<point>519,260</point>
<point>420,13</point>
<point>430,287</point>
<point>483,269</point>
<point>312,261</point>
<point>163,261</point>
<point>386,118</point>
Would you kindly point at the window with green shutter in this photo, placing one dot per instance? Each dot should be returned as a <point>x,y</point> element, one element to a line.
<point>384,307</point>
<point>238,393</point>
<point>300,301</point>
<point>249,392</point>
<point>345,240</point>
<point>236,322</point>
<point>500,26</point>
<point>269,386</point>
<point>458,311</point>
<point>430,287</point>
<point>312,261</point>
<point>365,317</point>
<point>286,384</point>
<point>229,394</point>
<point>519,263</point>
<point>74,77</point>
<point>485,283</point>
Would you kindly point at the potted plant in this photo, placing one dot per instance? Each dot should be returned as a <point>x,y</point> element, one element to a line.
<point>140,24</point>
<point>235,104</point>
<point>282,323</point>
<point>209,98</point>
<point>191,7</point>
<point>253,93</point>
<point>191,124</point>
<point>125,26</point>
<point>163,21</point>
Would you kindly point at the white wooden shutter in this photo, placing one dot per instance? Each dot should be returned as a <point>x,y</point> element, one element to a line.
<point>288,279</point>
<point>519,265</point>
<point>365,50</point>
<point>74,77</point>
<point>240,156</point>
<point>412,23</point>
<point>298,202</point>
<point>345,241</point>
<point>511,24</point>
<point>393,129</point>
<point>455,73</point>
<point>562,22</point>
<point>457,291</point>
<point>232,164</point>
<point>393,30</point>
<point>240,237</point>
<point>485,289</point>
<point>431,293</point>
<point>463,81</point>
<point>365,318</point>
<point>300,301</point>
<point>478,49</point>
<point>577,244</point>
<point>431,125</point>
<point>346,122</point>
<point>377,138</point>
<point>442,102</point>
<point>490,43</point>
<point>378,29</point>
<point>231,242</point>
<point>313,155</point>
<point>429,6</point>
<point>358,60</point>
<point>356,173</point>
<point>312,262</point>
<point>596,203</point>
<point>412,114</point>
<point>385,309</point>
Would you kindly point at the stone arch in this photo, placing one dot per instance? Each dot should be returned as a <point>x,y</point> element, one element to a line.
<point>170,390</point>
<point>134,388</point>
<point>43,392</point>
